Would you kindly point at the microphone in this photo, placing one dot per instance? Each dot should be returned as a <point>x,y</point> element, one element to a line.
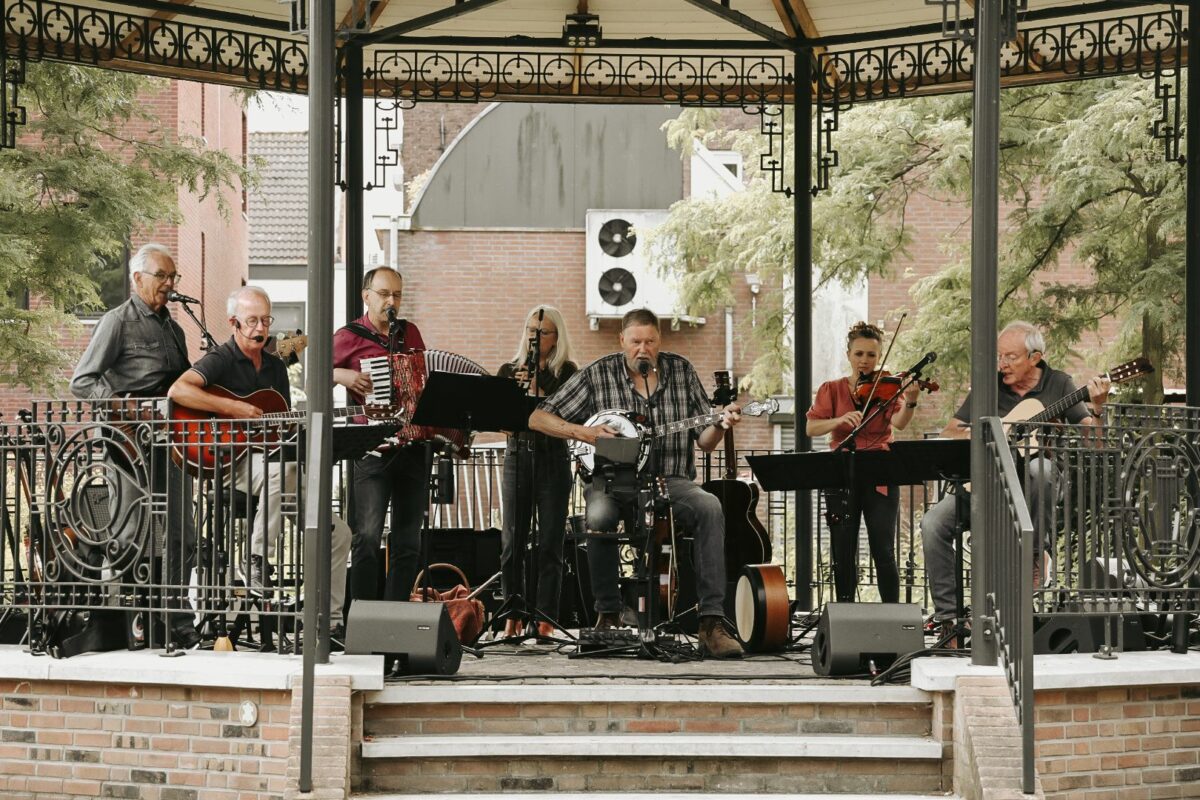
<point>176,297</point>
<point>260,338</point>
<point>449,445</point>
<point>391,315</point>
<point>929,358</point>
<point>644,367</point>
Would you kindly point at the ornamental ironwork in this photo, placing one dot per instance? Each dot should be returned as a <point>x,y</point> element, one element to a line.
<point>64,32</point>
<point>12,113</point>
<point>411,76</point>
<point>1149,45</point>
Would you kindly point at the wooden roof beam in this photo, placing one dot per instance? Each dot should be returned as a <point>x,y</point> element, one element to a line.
<point>746,22</point>
<point>460,8</point>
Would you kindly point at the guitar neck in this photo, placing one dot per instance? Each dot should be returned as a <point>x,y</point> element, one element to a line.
<point>687,424</point>
<point>1059,407</point>
<point>348,411</point>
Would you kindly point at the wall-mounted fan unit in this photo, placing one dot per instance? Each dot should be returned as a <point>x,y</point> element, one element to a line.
<point>619,275</point>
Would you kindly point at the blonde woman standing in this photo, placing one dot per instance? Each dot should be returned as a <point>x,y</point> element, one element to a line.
<point>537,475</point>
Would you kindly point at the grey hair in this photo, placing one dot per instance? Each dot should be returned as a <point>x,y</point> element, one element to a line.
<point>138,262</point>
<point>239,293</point>
<point>561,352</point>
<point>1034,341</point>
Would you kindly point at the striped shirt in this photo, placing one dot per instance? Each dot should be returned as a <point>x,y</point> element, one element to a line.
<point>605,385</point>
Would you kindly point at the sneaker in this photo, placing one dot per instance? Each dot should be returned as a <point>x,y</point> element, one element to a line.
<point>948,634</point>
<point>186,638</point>
<point>337,638</point>
<point>260,579</point>
<point>715,641</point>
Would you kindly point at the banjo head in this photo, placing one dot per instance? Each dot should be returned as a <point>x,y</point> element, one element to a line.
<point>620,421</point>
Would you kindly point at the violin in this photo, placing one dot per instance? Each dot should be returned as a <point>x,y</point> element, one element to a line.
<point>882,386</point>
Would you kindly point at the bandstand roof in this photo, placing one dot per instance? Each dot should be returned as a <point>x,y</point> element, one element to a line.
<point>442,49</point>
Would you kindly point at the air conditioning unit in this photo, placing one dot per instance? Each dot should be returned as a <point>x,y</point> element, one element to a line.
<point>619,275</point>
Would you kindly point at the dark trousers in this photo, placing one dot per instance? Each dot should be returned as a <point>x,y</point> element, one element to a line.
<point>541,479</point>
<point>845,511</point>
<point>400,475</point>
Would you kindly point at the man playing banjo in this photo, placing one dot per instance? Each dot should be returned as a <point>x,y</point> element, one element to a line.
<point>638,377</point>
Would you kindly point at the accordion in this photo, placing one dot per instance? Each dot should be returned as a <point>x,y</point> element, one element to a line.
<point>401,382</point>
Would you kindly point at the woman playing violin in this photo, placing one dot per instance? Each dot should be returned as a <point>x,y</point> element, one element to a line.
<point>840,406</point>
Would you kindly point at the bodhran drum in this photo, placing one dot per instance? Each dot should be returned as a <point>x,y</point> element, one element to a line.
<point>762,608</point>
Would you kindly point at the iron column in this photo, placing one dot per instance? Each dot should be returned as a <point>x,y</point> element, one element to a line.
<point>802,309</point>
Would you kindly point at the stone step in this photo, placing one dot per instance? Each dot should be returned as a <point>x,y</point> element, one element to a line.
<point>619,709</point>
<point>652,746</point>
<point>647,796</point>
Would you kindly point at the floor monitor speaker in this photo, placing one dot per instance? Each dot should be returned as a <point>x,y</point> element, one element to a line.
<point>852,636</point>
<point>419,637</point>
<point>1084,633</point>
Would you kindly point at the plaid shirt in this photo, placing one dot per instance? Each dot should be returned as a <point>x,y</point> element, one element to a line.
<point>605,385</point>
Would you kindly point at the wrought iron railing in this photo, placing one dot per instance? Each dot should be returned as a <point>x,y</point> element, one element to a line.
<point>1010,559</point>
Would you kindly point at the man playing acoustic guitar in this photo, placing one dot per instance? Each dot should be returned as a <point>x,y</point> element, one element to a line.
<point>242,367</point>
<point>1023,375</point>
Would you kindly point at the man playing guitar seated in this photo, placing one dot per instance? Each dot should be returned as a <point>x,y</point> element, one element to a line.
<point>242,367</point>
<point>1023,374</point>
<point>616,382</point>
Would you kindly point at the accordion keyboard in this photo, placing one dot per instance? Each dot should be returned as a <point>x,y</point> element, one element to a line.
<point>381,380</point>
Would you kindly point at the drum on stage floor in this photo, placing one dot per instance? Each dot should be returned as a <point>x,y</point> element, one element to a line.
<point>762,608</point>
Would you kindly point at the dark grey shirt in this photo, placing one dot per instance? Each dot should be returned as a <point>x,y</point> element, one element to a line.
<point>605,385</point>
<point>231,369</point>
<point>133,352</point>
<point>1053,386</point>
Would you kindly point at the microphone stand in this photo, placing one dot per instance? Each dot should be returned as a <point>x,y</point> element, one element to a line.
<point>647,511</point>
<point>209,342</point>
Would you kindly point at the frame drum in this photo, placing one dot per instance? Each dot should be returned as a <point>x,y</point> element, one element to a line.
<point>762,608</point>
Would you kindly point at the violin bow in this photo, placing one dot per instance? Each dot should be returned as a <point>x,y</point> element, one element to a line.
<point>882,361</point>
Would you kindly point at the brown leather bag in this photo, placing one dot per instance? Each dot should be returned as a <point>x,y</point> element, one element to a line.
<point>465,611</point>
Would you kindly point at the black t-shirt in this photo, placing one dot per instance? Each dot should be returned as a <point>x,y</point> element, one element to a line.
<point>1051,387</point>
<point>232,370</point>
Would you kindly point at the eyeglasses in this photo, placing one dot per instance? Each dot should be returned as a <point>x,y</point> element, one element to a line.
<point>542,331</point>
<point>254,322</point>
<point>1010,358</point>
<point>384,295</point>
<point>164,277</point>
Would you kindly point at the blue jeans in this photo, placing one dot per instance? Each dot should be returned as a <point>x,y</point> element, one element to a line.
<point>399,476</point>
<point>695,511</point>
<point>541,479</point>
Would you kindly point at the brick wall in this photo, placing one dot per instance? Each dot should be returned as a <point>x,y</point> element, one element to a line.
<point>147,742</point>
<point>469,291</point>
<point>1121,743</point>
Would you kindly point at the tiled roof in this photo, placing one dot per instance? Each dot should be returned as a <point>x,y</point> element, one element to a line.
<point>278,207</point>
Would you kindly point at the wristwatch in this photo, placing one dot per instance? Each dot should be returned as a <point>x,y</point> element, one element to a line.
<point>910,405</point>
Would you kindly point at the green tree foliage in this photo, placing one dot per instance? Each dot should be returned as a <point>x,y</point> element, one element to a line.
<point>71,193</point>
<point>1079,164</point>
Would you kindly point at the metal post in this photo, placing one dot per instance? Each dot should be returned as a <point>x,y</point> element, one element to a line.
<point>1192,259</point>
<point>319,387</point>
<point>802,309</point>
<point>355,224</point>
<point>984,230</point>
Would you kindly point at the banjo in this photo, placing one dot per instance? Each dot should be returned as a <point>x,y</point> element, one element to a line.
<point>630,425</point>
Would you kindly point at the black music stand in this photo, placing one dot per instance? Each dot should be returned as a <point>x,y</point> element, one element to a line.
<point>355,441</point>
<point>465,402</point>
<point>909,461</point>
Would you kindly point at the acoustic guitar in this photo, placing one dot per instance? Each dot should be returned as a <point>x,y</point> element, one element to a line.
<point>1032,411</point>
<point>746,540</point>
<point>200,440</point>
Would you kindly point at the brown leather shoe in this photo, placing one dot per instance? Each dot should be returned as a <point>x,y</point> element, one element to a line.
<point>715,641</point>
<point>606,620</point>
<point>545,630</point>
<point>513,627</point>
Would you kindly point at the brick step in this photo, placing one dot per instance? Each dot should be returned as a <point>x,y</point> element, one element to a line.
<point>710,708</point>
<point>652,746</point>
<point>654,796</point>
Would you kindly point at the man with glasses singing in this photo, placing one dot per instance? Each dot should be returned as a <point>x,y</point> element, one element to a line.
<point>137,350</point>
<point>242,367</point>
<point>396,476</point>
<point>1023,375</point>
